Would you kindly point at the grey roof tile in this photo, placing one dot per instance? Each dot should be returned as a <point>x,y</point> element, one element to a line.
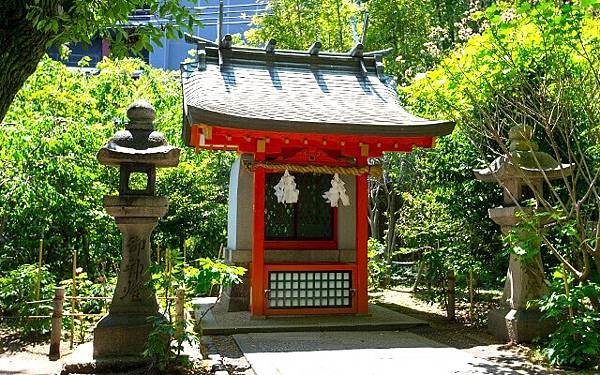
<point>298,94</point>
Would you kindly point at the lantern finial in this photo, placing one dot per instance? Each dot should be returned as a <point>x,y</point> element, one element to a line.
<point>141,114</point>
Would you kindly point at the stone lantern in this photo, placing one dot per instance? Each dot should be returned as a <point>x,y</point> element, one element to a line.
<point>521,174</point>
<point>137,151</point>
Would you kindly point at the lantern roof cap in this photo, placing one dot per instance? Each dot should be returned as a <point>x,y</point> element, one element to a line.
<point>292,91</point>
<point>523,161</point>
<point>139,142</point>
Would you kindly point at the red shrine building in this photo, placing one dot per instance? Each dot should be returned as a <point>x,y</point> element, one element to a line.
<point>305,125</point>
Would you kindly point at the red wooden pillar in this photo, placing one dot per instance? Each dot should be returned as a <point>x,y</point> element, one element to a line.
<point>362,235</point>
<point>257,302</point>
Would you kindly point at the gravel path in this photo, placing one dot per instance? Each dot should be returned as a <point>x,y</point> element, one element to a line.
<point>471,339</point>
<point>231,355</point>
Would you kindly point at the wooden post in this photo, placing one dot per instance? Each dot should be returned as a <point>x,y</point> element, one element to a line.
<point>57,315</point>
<point>185,246</point>
<point>74,294</point>
<point>419,274</point>
<point>39,271</point>
<point>167,255</point>
<point>179,312</point>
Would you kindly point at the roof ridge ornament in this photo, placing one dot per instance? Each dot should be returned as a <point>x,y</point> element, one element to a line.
<point>270,46</point>
<point>380,69</point>
<point>363,37</point>
<point>357,50</point>
<point>313,50</point>
<point>227,42</point>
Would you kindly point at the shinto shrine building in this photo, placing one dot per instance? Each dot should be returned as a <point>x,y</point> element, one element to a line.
<point>305,125</point>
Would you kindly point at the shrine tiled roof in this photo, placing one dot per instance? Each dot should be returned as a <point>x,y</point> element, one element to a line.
<point>297,92</point>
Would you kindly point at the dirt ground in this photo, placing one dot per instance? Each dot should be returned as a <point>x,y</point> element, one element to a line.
<point>27,357</point>
<point>472,338</point>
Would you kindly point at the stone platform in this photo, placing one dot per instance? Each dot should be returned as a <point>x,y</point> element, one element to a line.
<point>81,361</point>
<point>230,323</point>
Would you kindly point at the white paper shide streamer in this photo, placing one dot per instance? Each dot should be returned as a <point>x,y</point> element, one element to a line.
<point>337,192</point>
<point>285,190</point>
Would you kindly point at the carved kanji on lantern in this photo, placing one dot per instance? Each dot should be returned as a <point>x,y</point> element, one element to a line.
<point>337,192</point>
<point>285,190</point>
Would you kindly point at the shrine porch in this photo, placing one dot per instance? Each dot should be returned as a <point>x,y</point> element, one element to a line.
<point>217,322</point>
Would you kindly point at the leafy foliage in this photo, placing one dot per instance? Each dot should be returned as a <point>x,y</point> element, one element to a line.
<point>378,267</point>
<point>165,343</point>
<point>28,28</point>
<point>52,185</point>
<point>210,274</point>
<point>421,32</point>
<point>17,288</point>
<point>576,342</point>
<point>79,21</point>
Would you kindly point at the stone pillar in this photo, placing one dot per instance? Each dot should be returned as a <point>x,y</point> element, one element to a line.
<point>124,331</point>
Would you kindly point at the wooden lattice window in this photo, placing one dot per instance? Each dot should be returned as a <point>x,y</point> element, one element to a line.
<point>311,219</point>
<point>310,289</point>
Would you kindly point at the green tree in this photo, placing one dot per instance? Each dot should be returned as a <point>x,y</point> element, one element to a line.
<point>537,64</point>
<point>419,32</point>
<point>296,24</point>
<point>29,27</point>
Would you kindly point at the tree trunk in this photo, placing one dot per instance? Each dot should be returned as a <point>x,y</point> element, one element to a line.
<point>451,305</point>
<point>21,48</point>
<point>390,240</point>
<point>419,274</point>
<point>90,267</point>
<point>374,214</point>
<point>471,295</point>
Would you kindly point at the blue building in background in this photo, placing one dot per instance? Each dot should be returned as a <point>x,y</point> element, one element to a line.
<point>237,16</point>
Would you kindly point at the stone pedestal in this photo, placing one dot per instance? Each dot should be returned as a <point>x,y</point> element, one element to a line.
<point>514,321</point>
<point>518,325</point>
<point>124,331</point>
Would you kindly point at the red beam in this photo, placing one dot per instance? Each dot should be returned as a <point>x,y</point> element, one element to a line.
<point>348,145</point>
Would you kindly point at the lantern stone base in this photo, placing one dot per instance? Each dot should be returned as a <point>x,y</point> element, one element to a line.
<point>125,330</point>
<point>117,336</point>
<point>518,325</point>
